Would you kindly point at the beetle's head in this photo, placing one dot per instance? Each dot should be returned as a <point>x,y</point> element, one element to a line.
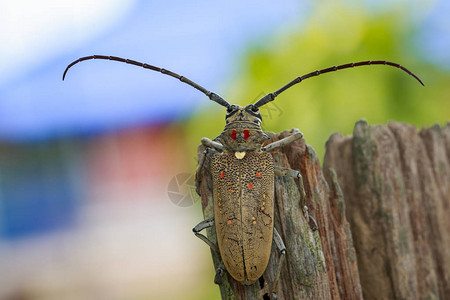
<point>243,129</point>
<point>249,114</point>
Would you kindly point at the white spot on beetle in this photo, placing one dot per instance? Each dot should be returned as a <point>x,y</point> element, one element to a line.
<point>239,155</point>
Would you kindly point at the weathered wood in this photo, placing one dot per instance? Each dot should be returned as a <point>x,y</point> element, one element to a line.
<point>396,183</point>
<point>318,265</point>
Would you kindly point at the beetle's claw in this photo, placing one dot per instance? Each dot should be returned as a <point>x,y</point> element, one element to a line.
<point>315,223</point>
<point>309,218</point>
<point>219,275</point>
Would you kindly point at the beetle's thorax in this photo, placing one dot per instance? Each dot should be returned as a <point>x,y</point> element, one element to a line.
<point>242,132</point>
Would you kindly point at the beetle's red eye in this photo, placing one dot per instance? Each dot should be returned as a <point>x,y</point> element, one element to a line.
<point>233,135</point>
<point>246,134</point>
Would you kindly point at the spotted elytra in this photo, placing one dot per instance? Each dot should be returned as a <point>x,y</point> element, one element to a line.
<point>243,173</point>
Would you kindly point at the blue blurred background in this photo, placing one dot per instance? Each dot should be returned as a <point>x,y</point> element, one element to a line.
<point>91,168</point>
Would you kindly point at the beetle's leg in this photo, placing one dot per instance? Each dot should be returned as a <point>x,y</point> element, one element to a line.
<point>202,225</point>
<point>310,218</point>
<point>282,171</point>
<point>198,176</point>
<point>212,144</point>
<point>199,227</point>
<point>282,248</point>
<point>285,141</point>
<point>219,273</point>
<point>198,173</point>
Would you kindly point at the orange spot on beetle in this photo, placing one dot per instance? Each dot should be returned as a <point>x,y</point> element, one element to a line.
<point>230,190</point>
<point>229,222</point>
<point>229,183</point>
<point>220,204</point>
<point>254,222</point>
<point>262,208</point>
<point>258,174</point>
<point>250,185</point>
<point>220,212</point>
<point>222,174</point>
<point>264,196</point>
<point>253,218</point>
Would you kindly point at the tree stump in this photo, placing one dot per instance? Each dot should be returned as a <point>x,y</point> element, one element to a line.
<point>396,183</point>
<point>318,265</point>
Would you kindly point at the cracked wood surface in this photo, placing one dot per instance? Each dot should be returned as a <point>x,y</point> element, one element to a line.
<point>318,265</point>
<point>396,182</point>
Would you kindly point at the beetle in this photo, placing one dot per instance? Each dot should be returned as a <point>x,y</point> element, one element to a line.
<point>243,179</point>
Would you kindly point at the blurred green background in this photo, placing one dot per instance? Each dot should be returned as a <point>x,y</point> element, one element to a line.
<point>339,32</point>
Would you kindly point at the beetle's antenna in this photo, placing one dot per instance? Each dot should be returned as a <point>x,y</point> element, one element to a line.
<point>214,97</point>
<point>270,97</point>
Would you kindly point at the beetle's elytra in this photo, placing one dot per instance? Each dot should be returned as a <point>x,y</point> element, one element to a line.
<point>244,224</point>
<point>243,179</point>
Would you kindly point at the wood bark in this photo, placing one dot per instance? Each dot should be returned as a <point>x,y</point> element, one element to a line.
<point>318,265</point>
<point>396,182</point>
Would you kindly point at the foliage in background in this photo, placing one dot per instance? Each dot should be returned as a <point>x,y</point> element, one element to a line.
<point>336,33</point>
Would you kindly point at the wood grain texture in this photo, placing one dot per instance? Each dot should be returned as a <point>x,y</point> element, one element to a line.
<point>396,182</point>
<point>318,265</point>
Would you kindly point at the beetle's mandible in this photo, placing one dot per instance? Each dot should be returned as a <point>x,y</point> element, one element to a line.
<point>243,179</point>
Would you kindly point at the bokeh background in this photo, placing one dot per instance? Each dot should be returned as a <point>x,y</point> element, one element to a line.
<point>96,186</point>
